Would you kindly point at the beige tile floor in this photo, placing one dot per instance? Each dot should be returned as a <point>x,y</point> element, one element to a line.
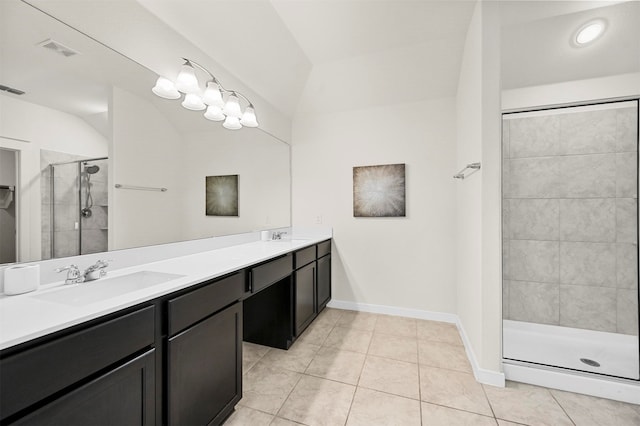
<point>354,368</point>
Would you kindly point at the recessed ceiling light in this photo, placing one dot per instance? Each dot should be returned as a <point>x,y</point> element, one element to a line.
<point>589,32</point>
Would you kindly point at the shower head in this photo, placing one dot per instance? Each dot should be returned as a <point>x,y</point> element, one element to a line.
<point>91,169</point>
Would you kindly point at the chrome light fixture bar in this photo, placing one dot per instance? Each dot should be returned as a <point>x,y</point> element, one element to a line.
<point>218,103</point>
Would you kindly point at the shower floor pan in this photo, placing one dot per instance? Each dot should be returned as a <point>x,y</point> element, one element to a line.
<point>616,354</point>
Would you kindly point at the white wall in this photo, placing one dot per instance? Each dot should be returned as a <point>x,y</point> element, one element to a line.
<point>28,128</point>
<point>478,279</point>
<point>400,262</point>
<point>469,191</point>
<point>146,151</point>
<point>262,163</point>
<point>572,91</point>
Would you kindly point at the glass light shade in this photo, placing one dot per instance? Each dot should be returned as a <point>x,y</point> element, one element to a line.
<point>232,123</point>
<point>589,32</point>
<point>214,113</point>
<point>212,95</point>
<point>232,107</point>
<point>165,89</point>
<point>193,101</point>
<point>187,82</point>
<point>249,118</point>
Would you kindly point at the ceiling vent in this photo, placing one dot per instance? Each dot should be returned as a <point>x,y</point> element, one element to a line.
<point>58,47</point>
<point>11,90</point>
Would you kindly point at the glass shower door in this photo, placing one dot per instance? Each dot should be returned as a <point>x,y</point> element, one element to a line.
<point>79,207</point>
<point>570,237</point>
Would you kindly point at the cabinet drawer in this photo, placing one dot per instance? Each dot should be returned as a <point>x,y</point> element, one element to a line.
<point>198,304</point>
<point>30,376</point>
<point>122,396</point>
<point>304,256</point>
<point>324,248</point>
<point>271,272</point>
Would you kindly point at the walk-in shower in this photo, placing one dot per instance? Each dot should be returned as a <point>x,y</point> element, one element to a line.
<point>570,238</point>
<point>79,207</point>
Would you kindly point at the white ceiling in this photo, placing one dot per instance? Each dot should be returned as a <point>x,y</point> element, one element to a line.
<point>336,30</point>
<point>325,55</point>
<point>318,56</point>
<point>539,50</point>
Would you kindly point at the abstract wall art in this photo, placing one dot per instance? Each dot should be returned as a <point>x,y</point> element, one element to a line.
<point>379,191</point>
<point>222,195</point>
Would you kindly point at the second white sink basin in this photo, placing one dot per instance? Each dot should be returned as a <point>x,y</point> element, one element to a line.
<point>105,288</point>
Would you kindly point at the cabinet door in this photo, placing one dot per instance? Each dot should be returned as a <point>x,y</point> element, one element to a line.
<point>305,283</point>
<point>324,282</point>
<point>205,369</point>
<point>123,396</point>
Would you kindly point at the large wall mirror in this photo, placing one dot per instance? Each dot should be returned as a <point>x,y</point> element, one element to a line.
<point>86,123</point>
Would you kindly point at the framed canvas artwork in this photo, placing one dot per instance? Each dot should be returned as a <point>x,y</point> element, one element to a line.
<point>379,191</point>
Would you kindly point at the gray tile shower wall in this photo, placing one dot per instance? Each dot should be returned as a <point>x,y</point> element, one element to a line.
<point>570,217</point>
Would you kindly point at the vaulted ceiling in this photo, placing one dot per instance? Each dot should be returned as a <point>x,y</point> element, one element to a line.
<point>317,56</point>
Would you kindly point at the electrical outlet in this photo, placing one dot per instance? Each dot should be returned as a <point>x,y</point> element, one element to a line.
<point>319,220</point>
<point>267,220</point>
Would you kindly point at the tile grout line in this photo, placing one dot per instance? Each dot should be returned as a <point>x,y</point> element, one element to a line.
<point>360,375</point>
<point>419,380</point>
<point>484,392</point>
<point>561,407</point>
<point>293,387</point>
<point>287,398</point>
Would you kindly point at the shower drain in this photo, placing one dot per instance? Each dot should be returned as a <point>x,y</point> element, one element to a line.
<point>590,362</point>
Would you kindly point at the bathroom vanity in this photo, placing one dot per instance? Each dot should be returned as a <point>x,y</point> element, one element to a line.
<point>169,353</point>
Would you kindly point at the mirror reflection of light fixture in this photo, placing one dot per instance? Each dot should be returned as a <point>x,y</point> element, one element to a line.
<point>166,89</point>
<point>220,103</point>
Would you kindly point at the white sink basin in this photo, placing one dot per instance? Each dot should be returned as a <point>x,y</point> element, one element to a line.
<point>105,288</point>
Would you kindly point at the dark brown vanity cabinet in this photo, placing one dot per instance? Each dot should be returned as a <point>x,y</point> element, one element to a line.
<point>174,360</point>
<point>101,373</point>
<point>305,288</point>
<point>204,353</point>
<point>323,275</point>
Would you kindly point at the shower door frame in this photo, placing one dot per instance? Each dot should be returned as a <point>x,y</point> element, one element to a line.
<point>593,102</point>
<point>52,207</point>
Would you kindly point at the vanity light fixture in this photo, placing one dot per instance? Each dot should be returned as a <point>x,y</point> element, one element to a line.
<point>589,32</point>
<point>220,104</point>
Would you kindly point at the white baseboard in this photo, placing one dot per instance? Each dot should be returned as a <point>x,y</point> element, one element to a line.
<point>393,310</point>
<point>611,388</point>
<point>488,377</point>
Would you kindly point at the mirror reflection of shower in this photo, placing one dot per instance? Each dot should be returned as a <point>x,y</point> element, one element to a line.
<point>89,169</point>
<point>75,204</point>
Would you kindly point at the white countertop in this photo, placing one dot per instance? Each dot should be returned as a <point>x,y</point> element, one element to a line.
<point>25,317</point>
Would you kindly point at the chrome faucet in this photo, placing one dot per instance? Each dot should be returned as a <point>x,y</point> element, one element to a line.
<point>277,235</point>
<point>95,271</point>
<point>73,276</point>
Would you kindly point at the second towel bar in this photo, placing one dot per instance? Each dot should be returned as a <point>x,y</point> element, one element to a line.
<point>140,188</point>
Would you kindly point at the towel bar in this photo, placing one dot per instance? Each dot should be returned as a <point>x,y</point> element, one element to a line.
<point>473,166</point>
